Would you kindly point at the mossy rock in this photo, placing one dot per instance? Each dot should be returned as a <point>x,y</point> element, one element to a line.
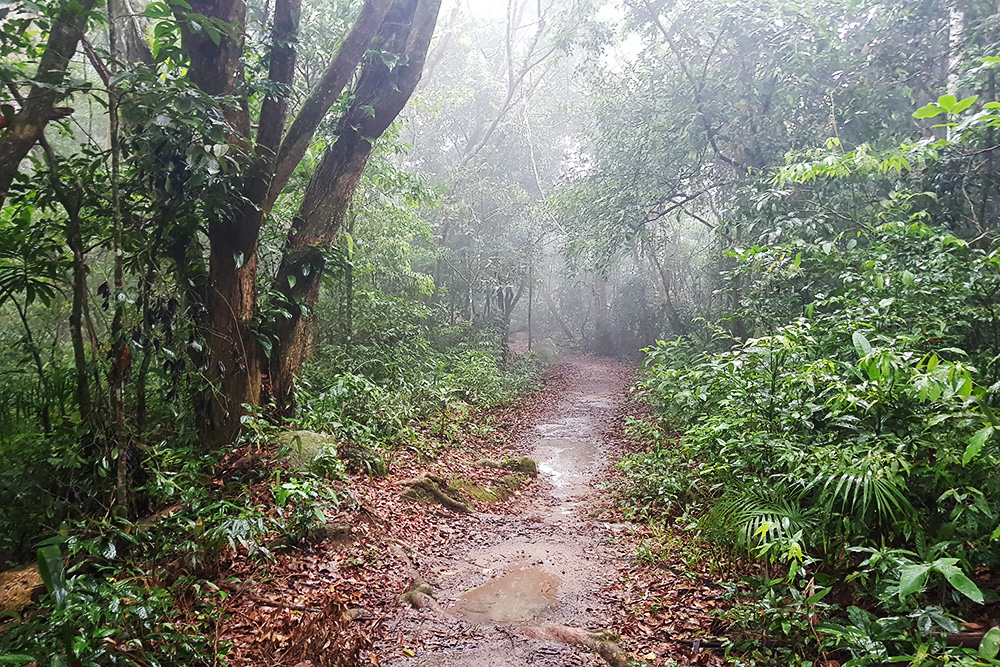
<point>418,495</point>
<point>523,464</point>
<point>513,482</point>
<point>474,492</point>
<point>305,446</point>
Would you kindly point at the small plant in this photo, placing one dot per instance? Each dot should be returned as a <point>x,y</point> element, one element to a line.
<point>303,503</point>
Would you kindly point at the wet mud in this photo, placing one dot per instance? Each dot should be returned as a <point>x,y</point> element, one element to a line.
<point>544,566</point>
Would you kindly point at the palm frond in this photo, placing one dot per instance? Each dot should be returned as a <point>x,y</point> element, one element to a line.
<point>757,512</point>
<point>866,490</point>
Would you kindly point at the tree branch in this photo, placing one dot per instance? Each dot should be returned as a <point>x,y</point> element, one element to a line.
<point>326,92</point>
<point>28,125</point>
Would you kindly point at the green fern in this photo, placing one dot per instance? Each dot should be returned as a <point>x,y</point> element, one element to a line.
<point>751,514</point>
<point>868,490</point>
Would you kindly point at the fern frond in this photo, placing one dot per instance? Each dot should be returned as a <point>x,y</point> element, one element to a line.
<point>751,514</point>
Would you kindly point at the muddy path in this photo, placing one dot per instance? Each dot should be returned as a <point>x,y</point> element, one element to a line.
<point>506,578</point>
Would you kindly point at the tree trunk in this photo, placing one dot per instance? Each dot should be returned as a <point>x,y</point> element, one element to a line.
<point>379,96</point>
<point>235,357</point>
<point>673,317</point>
<point>301,270</point>
<point>554,311</point>
<point>602,334</point>
<point>74,239</point>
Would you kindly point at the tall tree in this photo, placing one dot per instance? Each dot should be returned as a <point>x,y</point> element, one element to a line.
<point>395,36</point>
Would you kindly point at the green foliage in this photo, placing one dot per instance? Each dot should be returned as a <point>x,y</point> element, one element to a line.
<point>852,433</point>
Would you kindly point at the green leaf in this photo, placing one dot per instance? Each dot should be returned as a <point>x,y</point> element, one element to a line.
<point>965,104</point>
<point>238,258</point>
<point>947,102</point>
<point>958,580</point>
<point>987,410</point>
<point>19,659</point>
<point>861,344</point>
<point>291,282</point>
<point>50,567</point>
<point>976,443</point>
<point>928,111</point>
<point>212,33</point>
<point>990,646</point>
<point>813,599</point>
<point>912,579</point>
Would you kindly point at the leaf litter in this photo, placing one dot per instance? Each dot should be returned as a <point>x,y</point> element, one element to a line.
<point>338,602</point>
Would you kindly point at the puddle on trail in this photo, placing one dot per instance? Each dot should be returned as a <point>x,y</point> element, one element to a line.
<point>567,427</point>
<point>551,468</point>
<point>519,595</point>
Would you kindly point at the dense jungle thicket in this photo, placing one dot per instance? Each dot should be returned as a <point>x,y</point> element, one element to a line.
<point>224,222</point>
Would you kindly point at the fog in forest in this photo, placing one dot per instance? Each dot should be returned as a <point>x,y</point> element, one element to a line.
<point>294,288</point>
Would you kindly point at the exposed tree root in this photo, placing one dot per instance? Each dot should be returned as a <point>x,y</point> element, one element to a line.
<point>419,594</point>
<point>597,642</point>
<point>436,488</point>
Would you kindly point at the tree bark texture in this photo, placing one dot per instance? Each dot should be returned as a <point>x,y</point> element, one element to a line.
<point>236,360</point>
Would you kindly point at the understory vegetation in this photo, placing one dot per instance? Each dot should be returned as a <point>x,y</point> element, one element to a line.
<point>848,443</point>
<point>127,589</point>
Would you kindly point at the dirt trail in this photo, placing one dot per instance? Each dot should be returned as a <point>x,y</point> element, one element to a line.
<point>544,566</point>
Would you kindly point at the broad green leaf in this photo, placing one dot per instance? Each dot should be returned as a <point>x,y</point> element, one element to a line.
<point>861,344</point>
<point>976,443</point>
<point>958,580</point>
<point>50,567</point>
<point>965,104</point>
<point>947,102</point>
<point>990,646</point>
<point>291,281</point>
<point>19,659</point>
<point>928,111</point>
<point>913,578</point>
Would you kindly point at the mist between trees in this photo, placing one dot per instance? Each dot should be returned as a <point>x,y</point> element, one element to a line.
<point>344,216</point>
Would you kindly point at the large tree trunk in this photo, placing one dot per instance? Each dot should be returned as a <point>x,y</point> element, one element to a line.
<point>381,93</point>
<point>231,299</point>
<point>303,262</point>
<point>236,358</point>
<point>673,317</point>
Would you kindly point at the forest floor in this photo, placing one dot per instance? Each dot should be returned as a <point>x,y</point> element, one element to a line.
<point>546,576</point>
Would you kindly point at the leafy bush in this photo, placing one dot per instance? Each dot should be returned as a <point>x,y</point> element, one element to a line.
<point>850,438</point>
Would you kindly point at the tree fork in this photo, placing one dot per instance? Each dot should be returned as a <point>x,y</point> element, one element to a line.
<point>380,94</point>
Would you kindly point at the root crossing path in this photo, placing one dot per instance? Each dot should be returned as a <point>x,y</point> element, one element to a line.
<point>525,589</point>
